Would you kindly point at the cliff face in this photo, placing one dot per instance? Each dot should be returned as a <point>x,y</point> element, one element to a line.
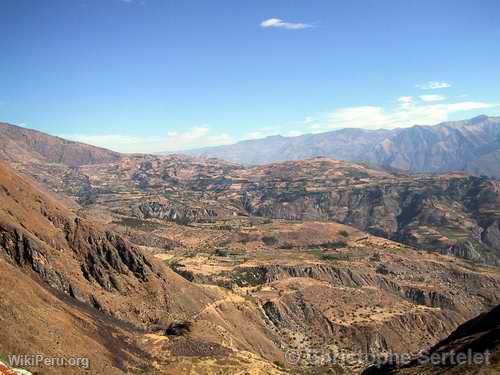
<point>329,289</point>
<point>452,214</point>
<point>172,212</point>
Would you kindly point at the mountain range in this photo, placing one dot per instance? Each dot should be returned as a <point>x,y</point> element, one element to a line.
<point>471,145</point>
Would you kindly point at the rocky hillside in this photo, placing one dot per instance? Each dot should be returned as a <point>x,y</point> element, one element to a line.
<point>480,335</point>
<point>73,289</point>
<point>472,145</point>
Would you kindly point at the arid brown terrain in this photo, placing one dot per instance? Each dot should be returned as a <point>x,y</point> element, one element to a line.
<point>273,269</point>
<point>479,335</point>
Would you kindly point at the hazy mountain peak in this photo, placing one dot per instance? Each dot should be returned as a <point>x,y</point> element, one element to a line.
<point>471,145</point>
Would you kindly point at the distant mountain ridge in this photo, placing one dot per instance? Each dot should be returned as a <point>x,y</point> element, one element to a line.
<point>471,145</point>
<point>26,145</point>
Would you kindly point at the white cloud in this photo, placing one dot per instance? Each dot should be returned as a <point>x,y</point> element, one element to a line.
<point>195,138</point>
<point>279,23</point>
<point>403,115</point>
<point>173,141</point>
<point>432,98</point>
<point>405,99</point>
<point>468,106</point>
<point>433,85</point>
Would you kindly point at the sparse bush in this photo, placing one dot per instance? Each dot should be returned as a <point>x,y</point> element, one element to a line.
<point>344,233</point>
<point>222,252</point>
<point>172,263</point>
<point>382,269</point>
<point>334,245</point>
<point>270,240</point>
<point>180,328</point>
<point>279,364</point>
<point>244,238</point>
<point>3,358</point>
<point>330,245</point>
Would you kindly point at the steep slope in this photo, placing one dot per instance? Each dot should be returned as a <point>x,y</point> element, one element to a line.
<point>23,145</point>
<point>46,307</point>
<point>471,146</point>
<point>35,319</point>
<point>480,335</point>
<point>78,258</point>
<point>71,289</point>
<point>452,146</point>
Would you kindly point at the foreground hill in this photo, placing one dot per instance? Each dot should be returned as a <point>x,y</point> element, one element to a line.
<point>472,145</point>
<point>479,335</point>
<point>73,289</point>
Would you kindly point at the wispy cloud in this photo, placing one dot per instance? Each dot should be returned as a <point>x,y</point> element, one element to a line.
<point>405,99</point>
<point>433,85</point>
<point>432,98</point>
<point>195,138</point>
<point>173,141</point>
<point>405,114</point>
<point>280,24</point>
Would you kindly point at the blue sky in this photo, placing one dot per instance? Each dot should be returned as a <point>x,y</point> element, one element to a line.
<point>156,75</point>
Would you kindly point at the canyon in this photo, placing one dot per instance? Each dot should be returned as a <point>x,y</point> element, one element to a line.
<point>266,265</point>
